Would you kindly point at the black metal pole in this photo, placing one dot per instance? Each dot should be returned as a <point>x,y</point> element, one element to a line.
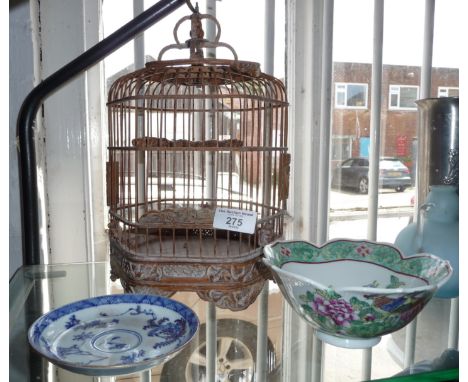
<point>30,106</point>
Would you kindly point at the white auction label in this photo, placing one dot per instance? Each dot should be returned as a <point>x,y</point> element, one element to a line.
<point>235,220</point>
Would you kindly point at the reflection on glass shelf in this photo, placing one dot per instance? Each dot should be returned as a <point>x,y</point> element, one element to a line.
<point>61,284</point>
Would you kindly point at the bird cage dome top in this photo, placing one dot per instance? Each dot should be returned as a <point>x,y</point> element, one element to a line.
<point>240,77</point>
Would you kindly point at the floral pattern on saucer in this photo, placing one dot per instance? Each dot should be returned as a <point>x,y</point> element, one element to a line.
<point>113,335</point>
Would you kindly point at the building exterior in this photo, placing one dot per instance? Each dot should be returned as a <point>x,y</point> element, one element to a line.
<point>399,115</point>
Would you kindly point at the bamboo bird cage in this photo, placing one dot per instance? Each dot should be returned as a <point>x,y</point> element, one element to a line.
<point>187,137</point>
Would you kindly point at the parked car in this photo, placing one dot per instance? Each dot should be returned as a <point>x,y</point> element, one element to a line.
<point>354,173</point>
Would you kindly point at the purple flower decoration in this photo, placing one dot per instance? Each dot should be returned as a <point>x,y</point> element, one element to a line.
<point>363,250</point>
<point>338,310</point>
<point>285,251</point>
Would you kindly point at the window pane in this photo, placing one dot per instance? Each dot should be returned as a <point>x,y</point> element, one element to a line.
<point>443,92</point>
<point>408,96</point>
<point>356,95</point>
<point>394,100</point>
<point>340,99</point>
<point>453,92</point>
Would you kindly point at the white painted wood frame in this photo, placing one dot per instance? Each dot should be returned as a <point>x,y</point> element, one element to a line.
<point>73,134</point>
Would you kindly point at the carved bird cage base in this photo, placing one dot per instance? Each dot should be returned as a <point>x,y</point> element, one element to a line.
<point>233,285</point>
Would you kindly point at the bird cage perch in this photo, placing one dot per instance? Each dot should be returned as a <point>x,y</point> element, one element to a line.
<point>186,137</point>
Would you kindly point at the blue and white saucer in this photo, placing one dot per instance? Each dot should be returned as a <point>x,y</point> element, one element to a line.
<point>115,334</point>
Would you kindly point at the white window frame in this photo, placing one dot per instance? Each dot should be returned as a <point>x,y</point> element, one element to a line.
<point>446,90</point>
<point>346,84</point>
<point>395,89</point>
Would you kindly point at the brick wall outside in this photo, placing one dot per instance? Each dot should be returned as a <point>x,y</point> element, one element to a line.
<point>398,127</point>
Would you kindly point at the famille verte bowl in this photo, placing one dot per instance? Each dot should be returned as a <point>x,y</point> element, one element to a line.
<point>115,334</point>
<point>351,291</point>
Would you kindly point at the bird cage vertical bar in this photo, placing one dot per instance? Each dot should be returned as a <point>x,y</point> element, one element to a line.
<point>149,156</point>
<point>276,155</point>
<point>257,118</point>
<point>125,209</point>
<point>248,140</point>
<point>267,163</point>
<point>207,155</point>
<point>140,159</point>
<point>198,159</point>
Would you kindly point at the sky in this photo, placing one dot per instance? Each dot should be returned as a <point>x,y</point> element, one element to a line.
<point>403,31</point>
<point>236,29</point>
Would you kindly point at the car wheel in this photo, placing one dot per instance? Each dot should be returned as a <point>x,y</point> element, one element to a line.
<point>363,185</point>
<point>400,188</point>
<point>236,355</point>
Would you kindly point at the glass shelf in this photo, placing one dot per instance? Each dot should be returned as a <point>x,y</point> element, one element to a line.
<point>265,341</point>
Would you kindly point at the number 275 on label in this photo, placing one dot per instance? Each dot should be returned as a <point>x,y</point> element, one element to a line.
<point>235,220</point>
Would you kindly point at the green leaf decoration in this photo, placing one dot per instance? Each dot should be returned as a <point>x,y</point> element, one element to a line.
<point>331,295</point>
<point>307,308</point>
<point>359,304</point>
<point>395,282</point>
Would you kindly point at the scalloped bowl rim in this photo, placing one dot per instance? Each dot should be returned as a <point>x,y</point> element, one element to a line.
<point>358,289</point>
